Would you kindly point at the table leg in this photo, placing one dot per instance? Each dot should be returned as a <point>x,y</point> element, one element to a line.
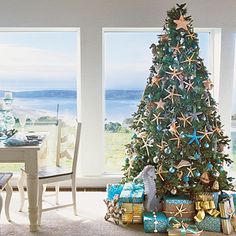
<point>32,184</point>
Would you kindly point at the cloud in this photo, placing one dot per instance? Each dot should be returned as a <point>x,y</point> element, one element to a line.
<point>28,62</point>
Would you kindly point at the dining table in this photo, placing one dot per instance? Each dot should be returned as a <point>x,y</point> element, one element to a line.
<point>30,156</point>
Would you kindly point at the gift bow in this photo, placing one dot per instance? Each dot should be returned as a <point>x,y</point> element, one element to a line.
<point>182,226</point>
<point>133,187</point>
<point>204,207</point>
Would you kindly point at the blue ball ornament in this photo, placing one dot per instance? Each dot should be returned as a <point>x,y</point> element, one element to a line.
<point>182,135</point>
<point>197,173</point>
<point>167,150</point>
<point>186,178</point>
<point>209,166</point>
<point>159,127</point>
<point>206,145</point>
<point>196,156</point>
<point>221,168</point>
<point>149,96</point>
<point>172,170</point>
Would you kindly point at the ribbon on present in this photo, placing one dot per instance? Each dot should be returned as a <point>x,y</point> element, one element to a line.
<point>132,193</point>
<point>182,226</point>
<point>204,205</point>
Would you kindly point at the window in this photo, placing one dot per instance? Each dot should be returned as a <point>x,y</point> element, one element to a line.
<point>39,68</point>
<point>127,59</point>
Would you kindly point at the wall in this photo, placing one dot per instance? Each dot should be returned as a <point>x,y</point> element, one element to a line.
<point>91,16</point>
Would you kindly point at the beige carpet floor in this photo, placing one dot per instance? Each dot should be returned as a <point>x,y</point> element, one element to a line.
<point>62,222</point>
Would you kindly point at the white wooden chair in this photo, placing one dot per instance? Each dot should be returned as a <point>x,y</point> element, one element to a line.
<point>57,174</point>
<point>4,184</point>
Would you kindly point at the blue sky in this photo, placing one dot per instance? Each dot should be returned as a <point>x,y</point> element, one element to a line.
<point>47,60</point>
<point>38,60</point>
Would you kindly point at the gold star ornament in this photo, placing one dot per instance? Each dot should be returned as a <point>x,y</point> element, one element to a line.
<point>181,23</point>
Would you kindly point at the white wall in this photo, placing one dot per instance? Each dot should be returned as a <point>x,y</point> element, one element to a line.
<point>91,16</point>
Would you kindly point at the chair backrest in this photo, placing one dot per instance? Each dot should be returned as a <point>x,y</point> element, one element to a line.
<point>63,140</point>
<point>76,150</point>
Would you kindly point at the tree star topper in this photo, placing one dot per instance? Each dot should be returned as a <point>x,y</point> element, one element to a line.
<point>181,23</point>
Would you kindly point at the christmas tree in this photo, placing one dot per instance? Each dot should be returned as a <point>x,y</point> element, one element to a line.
<point>177,128</point>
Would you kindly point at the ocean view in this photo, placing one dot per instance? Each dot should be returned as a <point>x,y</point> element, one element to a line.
<point>120,104</point>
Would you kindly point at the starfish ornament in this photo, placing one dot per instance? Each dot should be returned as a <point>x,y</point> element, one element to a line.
<point>181,23</point>
<point>195,114</point>
<point>194,137</point>
<point>205,133</point>
<point>180,210</point>
<point>160,172</point>
<point>184,119</point>
<point>189,85</point>
<point>190,171</point>
<point>156,80</point>
<point>174,73</point>
<point>160,104</point>
<point>191,35</point>
<point>177,48</point>
<point>177,138</point>
<point>171,95</point>
<point>173,128</point>
<point>162,145</point>
<point>140,119</point>
<point>217,129</point>
<point>189,60</point>
<point>208,84</point>
<point>146,144</point>
<point>157,118</point>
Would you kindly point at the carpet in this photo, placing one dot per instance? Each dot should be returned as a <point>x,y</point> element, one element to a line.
<point>62,222</point>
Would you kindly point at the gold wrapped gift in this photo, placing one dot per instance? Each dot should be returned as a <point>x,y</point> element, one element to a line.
<point>205,204</point>
<point>133,213</point>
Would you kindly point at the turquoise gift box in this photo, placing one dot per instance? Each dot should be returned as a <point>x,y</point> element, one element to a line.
<point>155,222</point>
<point>114,189</point>
<point>133,193</point>
<point>177,199</point>
<point>210,223</point>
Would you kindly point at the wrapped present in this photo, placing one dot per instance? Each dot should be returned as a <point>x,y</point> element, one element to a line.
<point>155,222</point>
<point>181,228</point>
<point>133,213</point>
<point>210,223</point>
<point>181,207</point>
<point>215,196</point>
<point>205,204</point>
<point>228,217</point>
<point>113,190</point>
<point>132,193</point>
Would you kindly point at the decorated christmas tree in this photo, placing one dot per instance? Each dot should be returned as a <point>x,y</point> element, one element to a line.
<point>177,128</point>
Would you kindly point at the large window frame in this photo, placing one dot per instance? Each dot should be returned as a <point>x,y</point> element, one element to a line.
<point>213,68</point>
<point>78,66</point>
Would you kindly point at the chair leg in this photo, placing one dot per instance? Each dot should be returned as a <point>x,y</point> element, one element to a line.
<point>21,190</point>
<point>8,199</point>
<point>57,187</point>
<point>40,203</point>
<point>74,196</point>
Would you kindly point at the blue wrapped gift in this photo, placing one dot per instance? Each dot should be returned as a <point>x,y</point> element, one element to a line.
<point>177,199</point>
<point>155,222</point>
<point>210,223</point>
<point>113,189</point>
<point>133,193</point>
